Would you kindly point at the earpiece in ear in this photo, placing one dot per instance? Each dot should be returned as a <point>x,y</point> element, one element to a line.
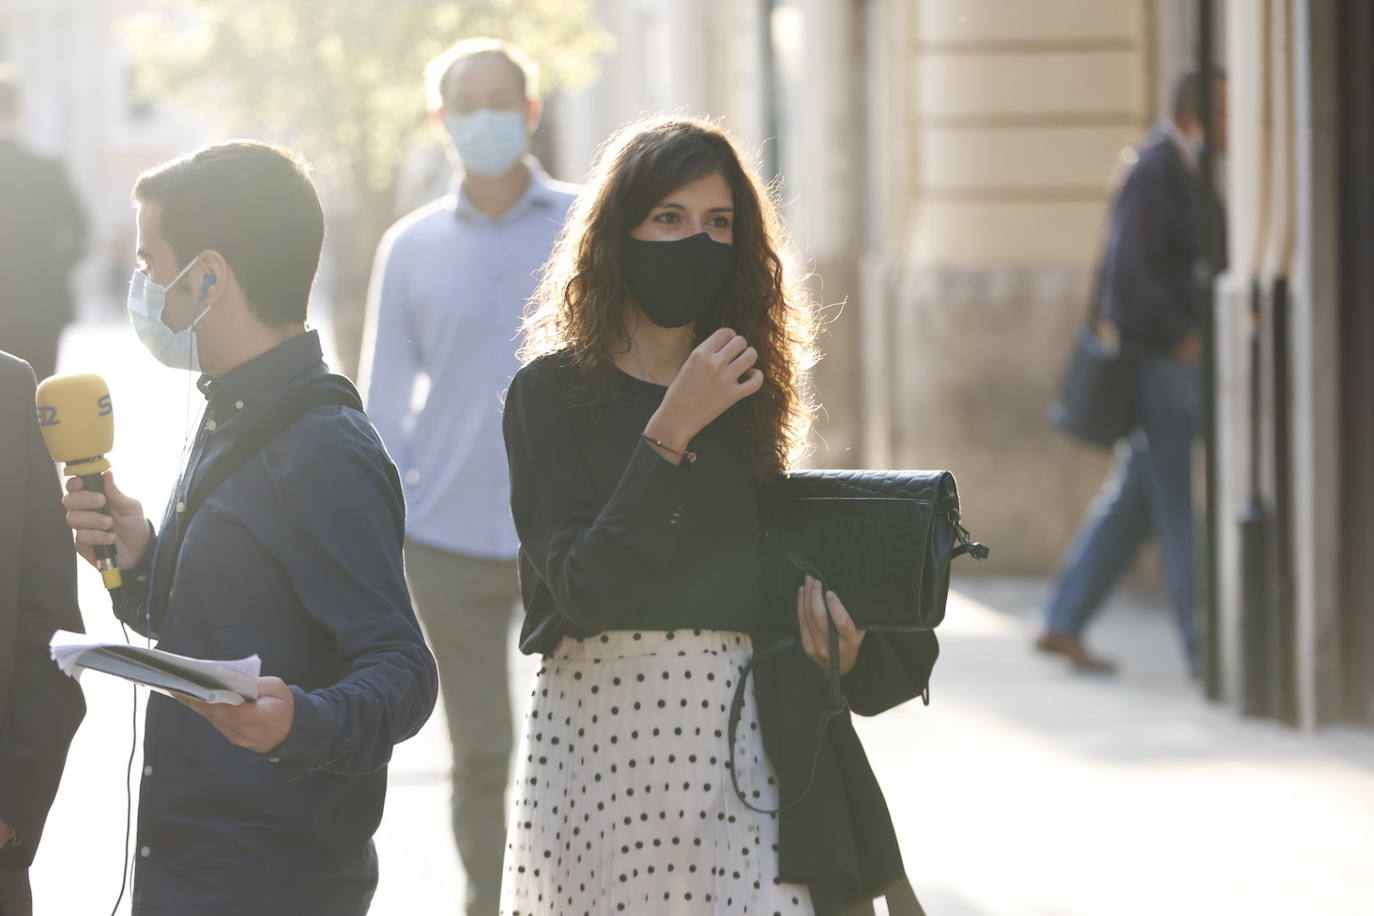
<point>205,284</point>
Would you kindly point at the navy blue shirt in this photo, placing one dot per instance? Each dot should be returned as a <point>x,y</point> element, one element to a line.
<point>1153,246</point>
<point>295,556</point>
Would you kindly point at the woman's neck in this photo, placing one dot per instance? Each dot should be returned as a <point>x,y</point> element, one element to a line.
<point>654,354</point>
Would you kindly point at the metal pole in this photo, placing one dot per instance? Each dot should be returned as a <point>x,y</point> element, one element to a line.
<point>1206,272</point>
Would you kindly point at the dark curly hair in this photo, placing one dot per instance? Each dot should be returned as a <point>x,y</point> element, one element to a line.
<point>580,306</point>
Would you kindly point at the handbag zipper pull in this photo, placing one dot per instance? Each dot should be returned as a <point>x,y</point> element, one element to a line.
<point>966,543</point>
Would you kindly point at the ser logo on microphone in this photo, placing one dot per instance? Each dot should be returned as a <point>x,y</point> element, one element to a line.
<point>47,414</point>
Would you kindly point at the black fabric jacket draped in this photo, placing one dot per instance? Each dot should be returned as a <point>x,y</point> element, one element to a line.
<point>839,839</point>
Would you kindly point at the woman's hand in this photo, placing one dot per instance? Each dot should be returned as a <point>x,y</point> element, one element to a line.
<point>719,372</point>
<point>812,604</point>
<point>124,526</point>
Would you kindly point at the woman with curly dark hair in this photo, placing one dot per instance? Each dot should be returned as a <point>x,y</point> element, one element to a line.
<point>667,354</point>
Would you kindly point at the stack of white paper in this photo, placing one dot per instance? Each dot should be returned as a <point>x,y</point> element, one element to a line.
<point>231,682</point>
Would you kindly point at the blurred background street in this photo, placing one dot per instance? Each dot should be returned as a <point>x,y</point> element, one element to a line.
<point>947,166</point>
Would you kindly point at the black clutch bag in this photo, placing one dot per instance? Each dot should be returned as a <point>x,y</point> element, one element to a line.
<point>882,540</point>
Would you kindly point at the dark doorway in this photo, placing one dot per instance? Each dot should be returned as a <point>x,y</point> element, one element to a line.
<point>1357,355</point>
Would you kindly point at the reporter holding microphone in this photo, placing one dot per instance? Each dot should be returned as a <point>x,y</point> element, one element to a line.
<point>282,538</point>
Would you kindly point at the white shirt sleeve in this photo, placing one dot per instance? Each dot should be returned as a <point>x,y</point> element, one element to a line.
<point>391,360</point>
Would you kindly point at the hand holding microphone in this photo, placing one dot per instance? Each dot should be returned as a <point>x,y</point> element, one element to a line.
<point>106,520</point>
<point>77,421</point>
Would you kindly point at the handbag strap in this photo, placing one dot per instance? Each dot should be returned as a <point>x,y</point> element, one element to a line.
<point>272,425</point>
<point>275,422</point>
<point>1098,292</point>
<point>835,699</point>
<point>822,722</point>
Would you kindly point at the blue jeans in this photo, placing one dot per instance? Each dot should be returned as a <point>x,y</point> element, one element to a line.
<point>1149,492</point>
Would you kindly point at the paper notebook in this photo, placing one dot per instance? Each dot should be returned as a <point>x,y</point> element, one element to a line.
<point>231,682</point>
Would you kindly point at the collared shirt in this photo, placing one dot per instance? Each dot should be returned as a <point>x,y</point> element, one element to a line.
<point>448,297</point>
<point>295,556</point>
<point>1186,150</point>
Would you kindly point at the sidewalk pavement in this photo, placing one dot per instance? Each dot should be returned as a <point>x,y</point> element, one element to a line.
<point>1047,793</point>
<point>1022,790</point>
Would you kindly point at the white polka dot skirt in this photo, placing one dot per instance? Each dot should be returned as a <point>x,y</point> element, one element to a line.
<point>623,803</point>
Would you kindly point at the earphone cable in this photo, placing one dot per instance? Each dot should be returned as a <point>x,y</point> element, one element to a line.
<point>128,790</point>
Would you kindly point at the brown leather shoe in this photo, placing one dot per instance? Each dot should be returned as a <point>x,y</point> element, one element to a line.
<point>1077,653</point>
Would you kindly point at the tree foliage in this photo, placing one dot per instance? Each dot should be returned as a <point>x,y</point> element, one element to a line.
<point>341,80</point>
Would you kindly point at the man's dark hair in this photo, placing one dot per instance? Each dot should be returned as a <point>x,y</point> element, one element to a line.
<point>9,92</point>
<point>252,202</point>
<point>1188,93</point>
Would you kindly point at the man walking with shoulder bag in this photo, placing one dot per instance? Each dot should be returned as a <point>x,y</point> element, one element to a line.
<point>1148,289</point>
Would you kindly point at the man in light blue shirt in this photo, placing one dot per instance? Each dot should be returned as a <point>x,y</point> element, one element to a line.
<point>448,293</point>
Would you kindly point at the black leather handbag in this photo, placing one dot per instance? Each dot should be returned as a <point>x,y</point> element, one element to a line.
<point>1099,399</point>
<point>881,540</point>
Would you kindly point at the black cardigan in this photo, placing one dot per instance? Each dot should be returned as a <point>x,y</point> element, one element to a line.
<point>613,537</point>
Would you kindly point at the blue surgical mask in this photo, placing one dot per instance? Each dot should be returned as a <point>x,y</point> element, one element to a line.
<point>488,142</point>
<point>146,302</point>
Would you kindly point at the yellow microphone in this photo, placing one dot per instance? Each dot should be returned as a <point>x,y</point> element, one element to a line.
<point>77,421</point>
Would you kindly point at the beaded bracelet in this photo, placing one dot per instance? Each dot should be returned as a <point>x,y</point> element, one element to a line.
<point>689,457</point>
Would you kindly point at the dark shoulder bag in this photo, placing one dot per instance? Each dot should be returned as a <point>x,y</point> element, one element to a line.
<point>881,540</point>
<point>1098,401</point>
<point>335,390</point>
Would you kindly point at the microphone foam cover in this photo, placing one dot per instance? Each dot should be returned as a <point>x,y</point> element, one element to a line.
<point>77,421</point>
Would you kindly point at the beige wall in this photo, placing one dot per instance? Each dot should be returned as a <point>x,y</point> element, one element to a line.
<point>1018,114</point>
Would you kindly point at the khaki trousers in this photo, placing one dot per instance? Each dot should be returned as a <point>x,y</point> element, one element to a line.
<point>466,605</point>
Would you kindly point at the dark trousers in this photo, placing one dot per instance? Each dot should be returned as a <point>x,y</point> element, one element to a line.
<point>15,897</point>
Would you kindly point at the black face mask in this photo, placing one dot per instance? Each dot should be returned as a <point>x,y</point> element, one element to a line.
<point>675,283</point>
